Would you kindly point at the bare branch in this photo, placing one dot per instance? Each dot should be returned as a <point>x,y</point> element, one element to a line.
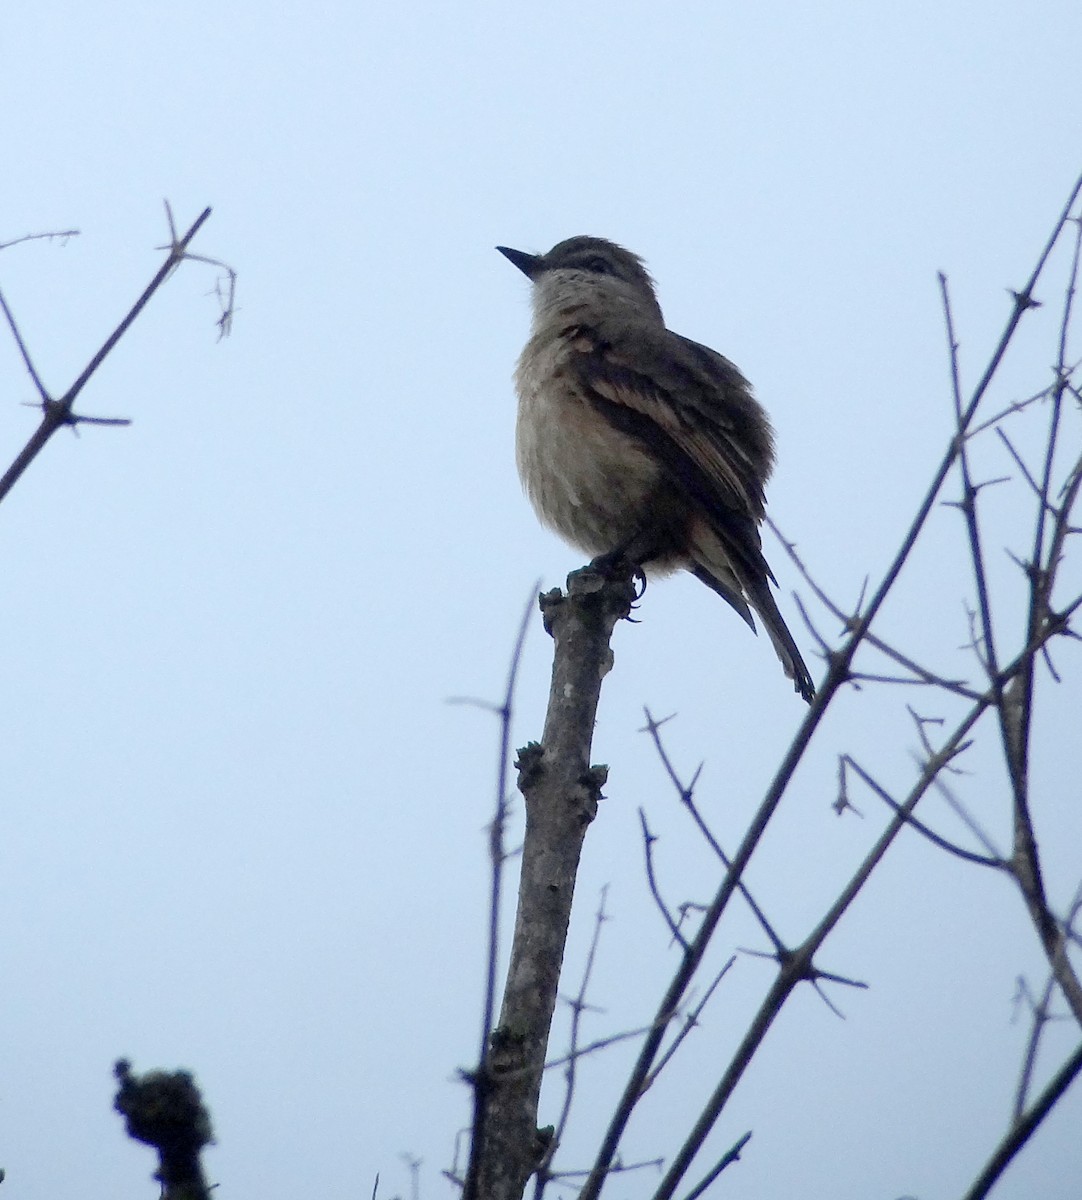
<point>497,857</point>
<point>850,621</point>
<point>561,791</point>
<point>690,1022</point>
<point>57,413</point>
<point>687,799</point>
<point>1026,473</point>
<point>62,234</point>
<point>24,353</point>
<point>648,840</point>
<point>1040,1010</point>
<point>968,503</point>
<point>727,1159</point>
<point>578,1007</point>
<point>1022,1130</point>
<point>797,966</point>
<point>959,851</point>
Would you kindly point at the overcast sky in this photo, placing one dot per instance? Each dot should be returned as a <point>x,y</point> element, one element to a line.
<point>241,829</point>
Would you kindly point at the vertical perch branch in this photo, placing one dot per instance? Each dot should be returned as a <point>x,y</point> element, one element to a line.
<point>561,790</point>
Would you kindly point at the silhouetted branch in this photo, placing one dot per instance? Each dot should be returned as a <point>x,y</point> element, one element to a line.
<point>1023,1128</point>
<point>497,857</point>
<point>57,413</point>
<point>648,840</point>
<point>689,1023</point>
<point>63,234</point>
<point>797,966</point>
<point>935,838</point>
<point>578,1006</point>
<point>727,1159</point>
<point>686,793</point>
<point>165,1110</point>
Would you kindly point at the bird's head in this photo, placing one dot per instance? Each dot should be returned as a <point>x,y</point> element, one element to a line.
<point>588,266</point>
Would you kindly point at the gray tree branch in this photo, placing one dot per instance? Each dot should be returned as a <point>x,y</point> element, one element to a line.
<point>561,790</point>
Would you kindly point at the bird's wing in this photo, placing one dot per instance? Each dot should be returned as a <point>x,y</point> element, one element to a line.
<point>694,411</point>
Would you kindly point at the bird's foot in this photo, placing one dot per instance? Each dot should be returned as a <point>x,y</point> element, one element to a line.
<point>616,565</point>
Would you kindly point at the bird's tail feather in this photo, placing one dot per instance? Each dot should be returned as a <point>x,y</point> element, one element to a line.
<point>719,574</point>
<point>764,604</point>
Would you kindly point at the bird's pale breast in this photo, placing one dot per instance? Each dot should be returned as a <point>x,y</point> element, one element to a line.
<point>588,481</point>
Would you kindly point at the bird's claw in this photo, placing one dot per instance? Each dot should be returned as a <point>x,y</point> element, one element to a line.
<point>616,565</point>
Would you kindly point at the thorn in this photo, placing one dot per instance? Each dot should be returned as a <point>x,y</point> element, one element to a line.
<point>1023,300</point>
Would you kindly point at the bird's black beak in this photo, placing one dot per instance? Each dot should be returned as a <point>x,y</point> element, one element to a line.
<point>528,264</point>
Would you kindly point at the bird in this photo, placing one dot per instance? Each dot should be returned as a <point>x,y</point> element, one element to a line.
<point>638,445</point>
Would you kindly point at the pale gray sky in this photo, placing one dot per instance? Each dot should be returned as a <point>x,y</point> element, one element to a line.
<point>241,831</point>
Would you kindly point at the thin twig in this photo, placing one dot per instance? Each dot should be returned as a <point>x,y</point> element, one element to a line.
<point>727,1159</point>
<point>57,413</point>
<point>578,1007</point>
<point>1041,1017</point>
<point>968,503</point>
<point>24,353</point>
<point>648,840</point>
<point>686,792</point>
<point>798,966</point>
<point>690,1022</point>
<point>497,857</point>
<point>64,234</point>
<point>851,620</point>
<point>1023,1129</point>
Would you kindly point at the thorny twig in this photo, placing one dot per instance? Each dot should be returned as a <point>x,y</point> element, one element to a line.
<point>57,413</point>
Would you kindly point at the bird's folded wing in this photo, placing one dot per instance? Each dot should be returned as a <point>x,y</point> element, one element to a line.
<point>693,410</point>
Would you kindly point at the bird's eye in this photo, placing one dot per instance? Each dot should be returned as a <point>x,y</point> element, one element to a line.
<point>598,265</point>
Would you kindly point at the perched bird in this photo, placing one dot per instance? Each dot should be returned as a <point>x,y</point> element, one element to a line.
<point>634,442</point>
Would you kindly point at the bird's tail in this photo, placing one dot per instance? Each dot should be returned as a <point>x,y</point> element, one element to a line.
<point>793,664</point>
<point>746,585</point>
